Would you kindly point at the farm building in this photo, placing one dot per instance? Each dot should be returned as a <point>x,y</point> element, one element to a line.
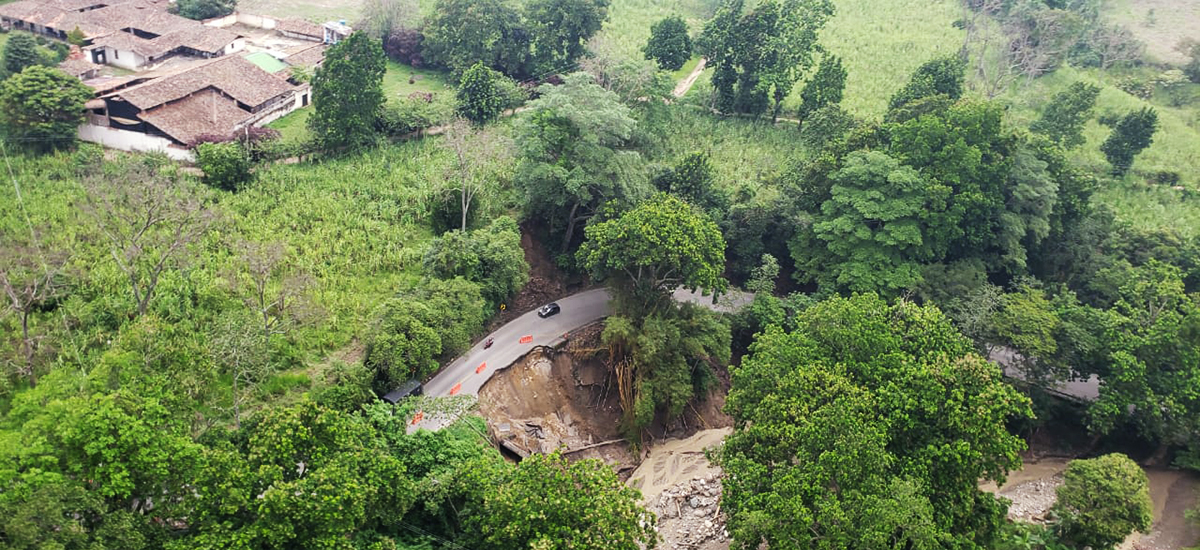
<point>300,30</point>
<point>130,34</point>
<point>218,98</point>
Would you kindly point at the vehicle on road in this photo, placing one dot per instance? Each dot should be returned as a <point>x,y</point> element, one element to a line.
<point>408,389</point>
<point>488,343</point>
<point>549,309</point>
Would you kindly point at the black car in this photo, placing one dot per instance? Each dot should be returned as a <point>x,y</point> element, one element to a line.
<point>549,309</point>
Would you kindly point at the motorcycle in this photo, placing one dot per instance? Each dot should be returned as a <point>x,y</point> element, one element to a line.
<point>487,344</point>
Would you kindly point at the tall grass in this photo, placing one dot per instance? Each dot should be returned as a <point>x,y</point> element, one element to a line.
<point>629,21</point>
<point>881,42</point>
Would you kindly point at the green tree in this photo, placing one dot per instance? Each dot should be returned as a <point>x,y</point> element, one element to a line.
<point>871,235</point>
<point>825,88</point>
<point>669,44</point>
<point>940,76</point>
<point>479,97</point>
<point>659,246</point>
<point>225,165</point>
<point>76,37</point>
<point>348,93</point>
<point>1132,134</point>
<point>205,9</point>
<point>868,426</point>
<point>1069,110</point>
<point>1149,340</point>
<point>491,257</point>
<point>548,502</point>
<point>20,52</point>
<point>43,107</point>
<point>570,161</point>
<point>694,180</point>
<point>758,56</point>
<point>460,33</point>
<point>559,30</point>
<point>305,477</point>
<point>1101,501</point>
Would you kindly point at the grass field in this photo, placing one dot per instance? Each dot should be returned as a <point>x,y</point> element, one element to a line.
<point>629,21</point>
<point>881,43</point>
<point>293,127</point>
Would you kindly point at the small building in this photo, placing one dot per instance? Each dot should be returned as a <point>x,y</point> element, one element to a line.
<point>336,31</point>
<point>300,29</point>
<point>217,98</point>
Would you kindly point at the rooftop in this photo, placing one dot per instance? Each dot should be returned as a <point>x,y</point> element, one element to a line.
<point>233,75</point>
<point>266,62</point>
<point>207,112</point>
<point>300,26</point>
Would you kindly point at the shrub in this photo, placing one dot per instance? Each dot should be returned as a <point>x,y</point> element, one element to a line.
<point>479,98</point>
<point>225,165</point>
<point>491,257</point>
<point>403,45</point>
<point>1102,501</point>
<point>407,115</point>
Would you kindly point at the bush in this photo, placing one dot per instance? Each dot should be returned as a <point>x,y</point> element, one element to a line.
<point>434,320</point>
<point>345,387</point>
<point>479,98</point>
<point>225,165</point>
<point>403,45</point>
<point>407,115</point>
<point>1102,501</point>
<point>491,257</point>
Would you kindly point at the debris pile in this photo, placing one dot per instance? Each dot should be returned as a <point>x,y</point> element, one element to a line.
<point>689,515</point>
<point>1032,499</point>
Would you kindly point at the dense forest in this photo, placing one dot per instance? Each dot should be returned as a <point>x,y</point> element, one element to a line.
<point>929,238</point>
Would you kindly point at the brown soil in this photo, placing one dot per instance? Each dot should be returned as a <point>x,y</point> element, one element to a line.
<point>567,399</point>
<point>546,282</point>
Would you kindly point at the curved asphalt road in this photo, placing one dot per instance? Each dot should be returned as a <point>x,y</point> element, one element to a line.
<point>578,310</point>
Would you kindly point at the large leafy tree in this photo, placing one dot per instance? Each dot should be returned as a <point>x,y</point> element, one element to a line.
<point>873,232</point>
<point>559,30</point>
<point>570,159</point>
<point>669,44</point>
<point>305,476</point>
<point>825,88</point>
<point>548,502</point>
<point>1068,111</point>
<point>460,33</point>
<point>868,426</point>
<point>759,55</point>
<point>659,246</point>
<point>1132,134</point>
<point>1150,340</point>
<point>657,347</point>
<point>42,107</point>
<point>479,96</point>
<point>348,93</point>
<point>1101,501</point>
<point>20,51</point>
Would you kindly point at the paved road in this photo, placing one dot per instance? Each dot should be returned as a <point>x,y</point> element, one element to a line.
<point>578,310</point>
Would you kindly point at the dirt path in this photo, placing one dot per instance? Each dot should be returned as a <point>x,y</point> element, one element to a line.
<point>684,85</point>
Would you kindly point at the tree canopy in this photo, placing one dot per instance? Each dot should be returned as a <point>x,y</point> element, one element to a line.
<point>348,93</point>
<point>43,107</point>
<point>886,405</point>
<point>1101,501</point>
<point>669,45</point>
